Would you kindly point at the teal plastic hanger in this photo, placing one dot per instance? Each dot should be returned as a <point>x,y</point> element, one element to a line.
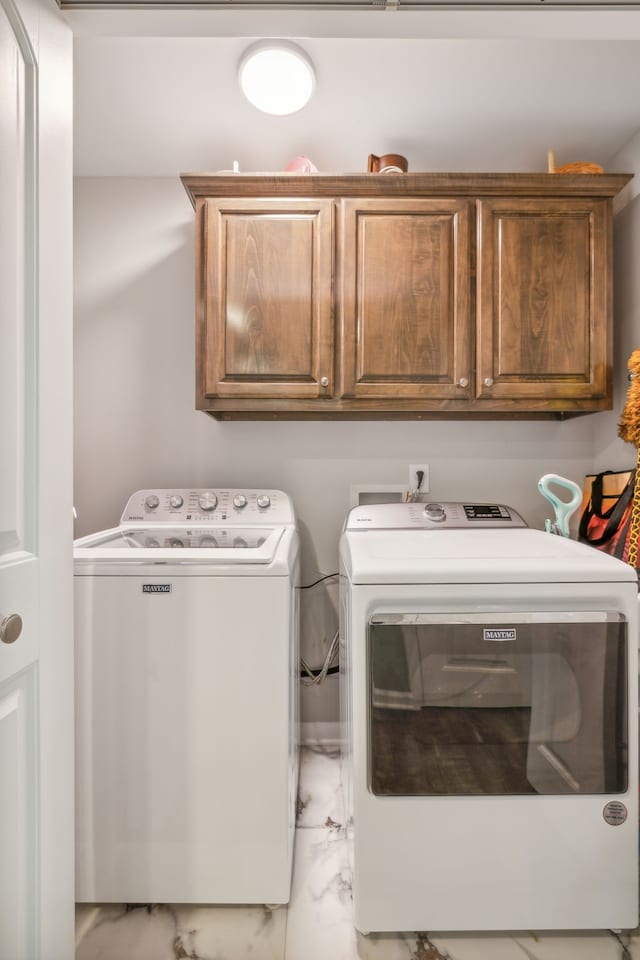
<point>564,509</point>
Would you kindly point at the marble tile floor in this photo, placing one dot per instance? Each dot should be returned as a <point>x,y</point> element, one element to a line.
<point>316,924</point>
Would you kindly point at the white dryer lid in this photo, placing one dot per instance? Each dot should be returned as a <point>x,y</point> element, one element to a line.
<point>474,556</point>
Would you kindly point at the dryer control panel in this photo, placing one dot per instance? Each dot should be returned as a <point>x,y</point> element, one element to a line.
<point>440,515</point>
<point>209,505</point>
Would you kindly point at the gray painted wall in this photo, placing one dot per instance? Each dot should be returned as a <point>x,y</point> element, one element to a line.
<point>136,425</point>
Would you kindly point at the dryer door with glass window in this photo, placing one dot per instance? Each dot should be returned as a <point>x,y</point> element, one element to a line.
<point>497,704</point>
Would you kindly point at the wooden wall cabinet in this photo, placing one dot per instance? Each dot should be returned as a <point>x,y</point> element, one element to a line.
<point>403,296</point>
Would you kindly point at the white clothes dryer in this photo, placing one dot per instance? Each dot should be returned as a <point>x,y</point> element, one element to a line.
<point>489,698</point>
<point>186,700</point>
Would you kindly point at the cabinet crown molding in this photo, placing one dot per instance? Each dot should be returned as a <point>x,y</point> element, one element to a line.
<point>202,185</point>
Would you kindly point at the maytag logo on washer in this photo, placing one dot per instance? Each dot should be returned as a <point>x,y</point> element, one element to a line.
<point>493,633</point>
<point>156,588</point>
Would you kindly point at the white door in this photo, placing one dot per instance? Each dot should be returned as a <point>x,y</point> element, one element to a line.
<point>36,637</point>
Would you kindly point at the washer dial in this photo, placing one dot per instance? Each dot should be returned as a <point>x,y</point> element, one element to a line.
<point>207,502</point>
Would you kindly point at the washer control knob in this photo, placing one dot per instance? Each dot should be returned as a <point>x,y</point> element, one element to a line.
<point>264,501</point>
<point>240,501</point>
<point>176,501</point>
<point>435,512</point>
<point>152,502</point>
<point>208,501</point>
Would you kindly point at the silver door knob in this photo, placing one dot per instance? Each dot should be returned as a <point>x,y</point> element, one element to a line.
<point>462,382</point>
<point>10,628</point>
<point>488,381</point>
<point>324,381</point>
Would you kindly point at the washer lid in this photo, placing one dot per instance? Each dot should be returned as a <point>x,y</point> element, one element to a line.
<point>192,545</point>
<point>478,556</point>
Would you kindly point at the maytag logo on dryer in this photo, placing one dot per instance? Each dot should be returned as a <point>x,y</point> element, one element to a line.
<point>499,633</point>
<point>156,588</point>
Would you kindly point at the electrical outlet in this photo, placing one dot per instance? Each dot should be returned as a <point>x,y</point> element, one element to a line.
<point>413,477</point>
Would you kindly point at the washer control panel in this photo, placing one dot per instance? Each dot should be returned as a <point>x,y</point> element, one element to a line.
<point>209,505</point>
<point>435,515</point>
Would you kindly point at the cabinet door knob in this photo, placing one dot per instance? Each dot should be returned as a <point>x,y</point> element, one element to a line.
<point>10,627</point>
<point>488,381</point>
<point>324,381</point>
<point>463,382</point>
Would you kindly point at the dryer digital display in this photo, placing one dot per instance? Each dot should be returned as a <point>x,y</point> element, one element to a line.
<point>486,511</point>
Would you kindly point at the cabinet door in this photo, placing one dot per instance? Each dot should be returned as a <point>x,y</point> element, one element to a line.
<point>544,299</point>
<point>405,299</point>
<point>265,327</point>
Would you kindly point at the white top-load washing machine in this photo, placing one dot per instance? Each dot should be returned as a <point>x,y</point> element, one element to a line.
<point>186,687</point>
<point>489,695</point>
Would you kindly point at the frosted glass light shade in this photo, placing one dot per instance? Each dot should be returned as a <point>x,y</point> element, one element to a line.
<point>277,77</point>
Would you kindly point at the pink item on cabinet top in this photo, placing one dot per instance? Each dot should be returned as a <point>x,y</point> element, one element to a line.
<point>301,165</point>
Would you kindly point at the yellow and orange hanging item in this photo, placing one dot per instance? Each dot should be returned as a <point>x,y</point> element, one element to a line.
<point>629,430</point>
<point>610,517</point>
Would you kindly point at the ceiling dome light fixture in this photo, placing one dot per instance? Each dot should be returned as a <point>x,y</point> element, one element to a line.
<point>276,76</point>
